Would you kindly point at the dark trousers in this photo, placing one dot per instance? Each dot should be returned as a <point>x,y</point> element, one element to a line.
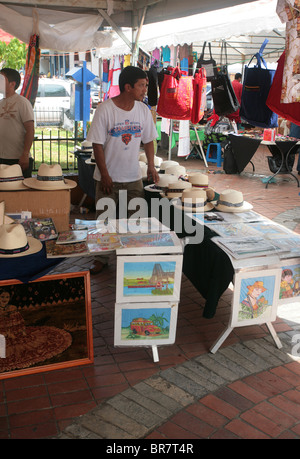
<point>27,173</point>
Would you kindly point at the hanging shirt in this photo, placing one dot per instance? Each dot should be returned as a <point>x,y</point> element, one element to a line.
<point>289,13</point>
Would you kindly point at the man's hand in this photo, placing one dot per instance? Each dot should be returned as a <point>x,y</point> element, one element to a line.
<point>152,174</point>
<point>24,162</point>
<point>106,184</point>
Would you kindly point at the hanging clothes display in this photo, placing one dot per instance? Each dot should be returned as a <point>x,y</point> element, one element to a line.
<point>127,59</point>
<point>105,70</point>
<point>166,55</point>
<point>289,13</point>
<point>115,71</point>
<point>290,111</point>
<point>184,52</point>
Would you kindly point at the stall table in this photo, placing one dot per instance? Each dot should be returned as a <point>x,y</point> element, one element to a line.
<point>244,148</point>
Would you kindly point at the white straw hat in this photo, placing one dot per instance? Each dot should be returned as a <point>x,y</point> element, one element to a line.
<point>144,168</point>
<point>11,178</point>
<point>49,177</point>
<point>15,243</point>
<point>176,170</point>
<point>232,201</point>
<point>166,164</point>
<point>193,200</point>
<point>199,180</point>
<point>143,157</point>
<point>91,160</point>
<point>175,190</point>
<point>162,184</point>
<point>86,145</point>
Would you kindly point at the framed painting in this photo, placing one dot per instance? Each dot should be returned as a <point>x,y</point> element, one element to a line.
<point>47,324</point>
<point>289,291</point>
<point>145,324</point>
<point>153,278</point>
<point>255,297</point>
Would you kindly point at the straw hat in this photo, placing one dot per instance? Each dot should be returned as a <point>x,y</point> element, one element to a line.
<point>144,168</point>
<point>15,243</point>
<point>193,200</point>
<point>176,170</point>
<point>157,161</point>
<point>4,219</point>
<point>86,145</point>
<point>166,164</point>
<point>162,184</point>
<point>257,284</point>
<point>49,177</point>
<point>232,201</point>
<point>199,180</point>
<point>143,157</point>
<point>176,189</point>
<point>11,178</point>
<point>91,160</point>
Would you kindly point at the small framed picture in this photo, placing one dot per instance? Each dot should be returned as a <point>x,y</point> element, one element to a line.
<point>153,278</point>
<point>145,324</point>
<point>255,297</point>
<point>289,291</point>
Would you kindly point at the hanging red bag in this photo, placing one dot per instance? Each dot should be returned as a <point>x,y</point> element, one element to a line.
<point>199,101</point>
<point>290,111</point>
<point>176,95</point>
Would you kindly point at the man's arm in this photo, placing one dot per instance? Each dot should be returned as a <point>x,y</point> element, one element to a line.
<point>28,139</point>
<point>106,181</point>
<point>151,172</point>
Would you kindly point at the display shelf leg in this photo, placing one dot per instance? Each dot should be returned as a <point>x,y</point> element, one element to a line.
<point>155,353</point>
<point>274,335</point>
<point>221,340</point>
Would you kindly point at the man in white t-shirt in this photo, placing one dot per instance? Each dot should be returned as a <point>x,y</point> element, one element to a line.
<point>119,126</point>
<point>16,124</point>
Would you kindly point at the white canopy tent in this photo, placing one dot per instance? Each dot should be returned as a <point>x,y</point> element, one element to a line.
<point>66,24</point>
<point>244,28</point>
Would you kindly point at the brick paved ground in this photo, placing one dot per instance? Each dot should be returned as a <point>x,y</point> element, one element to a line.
<point>248,389</point>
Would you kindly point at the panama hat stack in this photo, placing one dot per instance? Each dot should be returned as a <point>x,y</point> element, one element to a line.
<point>175,189</point>
<point>11,178</point>
<point>232,201</point>
<point>193,200</point>
<point>165,164</point>
<point>162,184</point>
<point>199,180</point>
<point>177,170</point>
<point>49,178</point>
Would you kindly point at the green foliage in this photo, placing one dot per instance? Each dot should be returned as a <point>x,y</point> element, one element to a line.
<point>13,54</point>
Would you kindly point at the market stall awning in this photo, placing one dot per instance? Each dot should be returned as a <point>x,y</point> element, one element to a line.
<point>65,24</point>
<point>244,28</point>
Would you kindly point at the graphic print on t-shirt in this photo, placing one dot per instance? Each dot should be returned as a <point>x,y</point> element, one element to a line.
<point>126,130</point>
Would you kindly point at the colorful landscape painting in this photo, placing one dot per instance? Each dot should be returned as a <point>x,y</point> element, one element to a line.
<point>145,323</point>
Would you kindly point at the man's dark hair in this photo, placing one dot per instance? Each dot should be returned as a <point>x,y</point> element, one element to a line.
<point>12,75</point>
<point>238,76</point>
<point>130,75</point>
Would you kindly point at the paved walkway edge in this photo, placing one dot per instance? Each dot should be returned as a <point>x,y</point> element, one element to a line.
<point>136,412</point>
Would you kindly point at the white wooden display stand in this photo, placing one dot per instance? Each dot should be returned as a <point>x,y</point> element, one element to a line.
<point>229,329</point>
<point>141,259</point>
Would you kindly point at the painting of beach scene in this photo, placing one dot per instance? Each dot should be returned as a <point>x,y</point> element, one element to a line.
<point>149,278</point>
<point>255,297</point>
<point>145,323</point>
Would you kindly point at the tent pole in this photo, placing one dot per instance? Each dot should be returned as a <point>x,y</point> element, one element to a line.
<point>170,140</point>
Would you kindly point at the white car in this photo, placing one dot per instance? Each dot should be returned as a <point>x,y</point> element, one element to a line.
<point>53,99</point>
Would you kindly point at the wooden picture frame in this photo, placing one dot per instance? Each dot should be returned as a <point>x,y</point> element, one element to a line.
<point>47,324</point>
<point>153,278</point>
<point>145,324</point>
<point>255,297</point>
<point>289,291</point>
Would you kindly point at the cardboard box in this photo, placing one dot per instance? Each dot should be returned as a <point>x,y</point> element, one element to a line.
<point>54,204</point>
